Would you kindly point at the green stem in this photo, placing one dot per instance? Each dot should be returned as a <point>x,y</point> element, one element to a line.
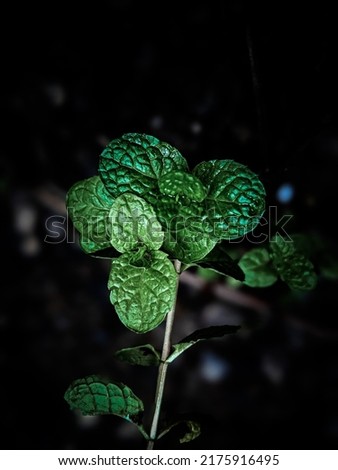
<point>162,371</point>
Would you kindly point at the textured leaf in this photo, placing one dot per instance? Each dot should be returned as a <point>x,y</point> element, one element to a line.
<point>236,197</point>
<point>292,266</point>
<point>187,233</point>
<point>201,335</point>
<point>135,162</point>
<point>134,223</point>
<point>145,355</point>
<point>179,182</point>
<point>258,268</point>
<point>94,395</point>
<point>142,289</point>
<point>88,205</point>
<point>218,260</point>
<point>193,431</point>
<point>188,246</point>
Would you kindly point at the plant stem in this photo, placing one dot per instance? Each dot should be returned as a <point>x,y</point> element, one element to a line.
<point>162,370</point>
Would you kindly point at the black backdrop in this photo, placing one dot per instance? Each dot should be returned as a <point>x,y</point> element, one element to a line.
<point>75,76</point>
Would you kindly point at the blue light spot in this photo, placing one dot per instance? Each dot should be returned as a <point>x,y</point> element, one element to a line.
<point>285,193</point>
<point>213,368</point>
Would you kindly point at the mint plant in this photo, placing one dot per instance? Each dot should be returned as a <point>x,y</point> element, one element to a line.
<point>154,218</point>
<point>279,259</point>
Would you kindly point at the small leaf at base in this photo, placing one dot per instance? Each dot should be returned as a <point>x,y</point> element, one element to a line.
<point>194,430</point>
<point>145,355</point>
<point>95,395</point>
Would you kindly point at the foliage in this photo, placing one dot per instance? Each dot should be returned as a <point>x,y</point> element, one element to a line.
<point>147,205</point>
<point>148,213</point>
<point>280,259</point>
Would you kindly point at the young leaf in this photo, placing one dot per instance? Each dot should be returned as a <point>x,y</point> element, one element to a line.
<point>193,430</point>
<point>94,395</point>
<point>218,260</point>
<point>145,355</point>
<point>292,266</point>
<point>88,204</point>
<point>236,197</point>
<point>142,289</point>
<point>258,268</point>
<point>134,223</point>
<point>201,335</point>
<point>179,182</point>
<point>135,162</point>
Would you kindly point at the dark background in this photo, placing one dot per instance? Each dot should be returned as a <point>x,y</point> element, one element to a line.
<point>76,75</point>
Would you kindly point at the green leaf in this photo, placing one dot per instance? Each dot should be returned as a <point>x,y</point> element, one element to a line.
<point>187,233</point>
<point>188,245</point>
<point>88,205</point>
<point>95,395</point>
<point>143,289</point>
<point>208,275</point>
<point>215,331</point>
<point>135,162</point>
<point>134,223</point>
<point>218,260</point>
<point>258,268</point>
<point>292,266</point>
<point>193,430</point>
<point>179,182</point>
<point>145,355</point>
<point>236,197</point>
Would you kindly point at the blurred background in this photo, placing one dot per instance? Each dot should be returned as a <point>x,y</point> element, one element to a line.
<point>249,81</point>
